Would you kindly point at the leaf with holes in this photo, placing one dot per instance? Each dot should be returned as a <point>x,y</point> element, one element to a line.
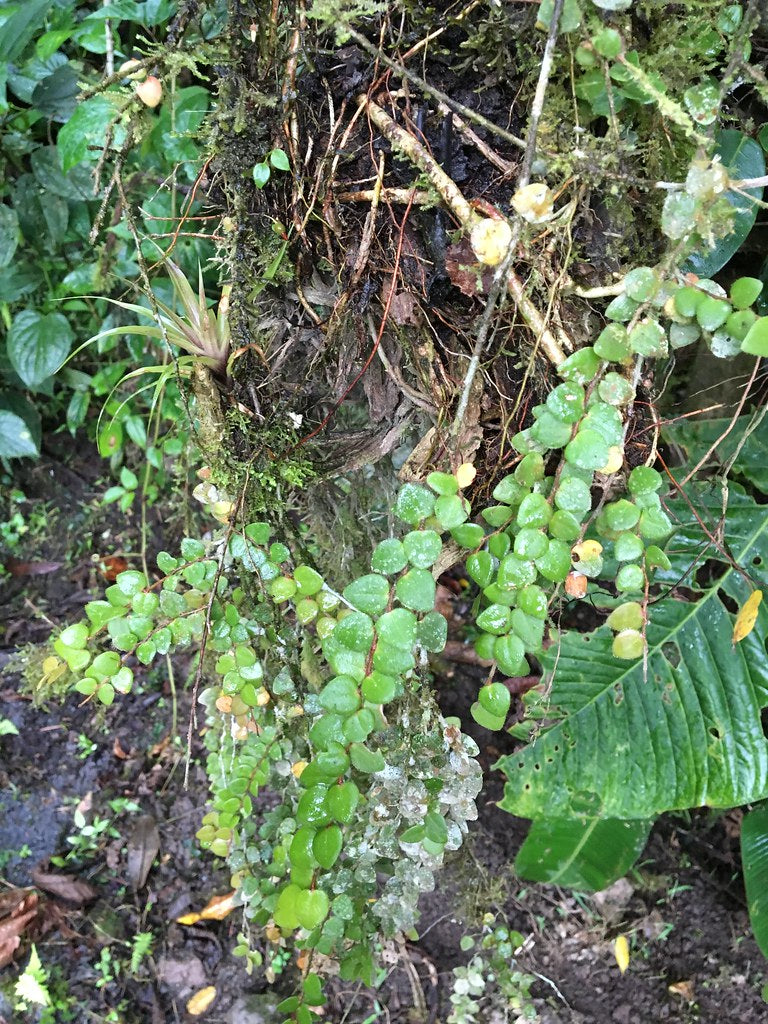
<point>632,744</point>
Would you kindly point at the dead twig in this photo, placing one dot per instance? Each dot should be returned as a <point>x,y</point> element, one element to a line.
<point>436,94</point>
<point>410,147</point>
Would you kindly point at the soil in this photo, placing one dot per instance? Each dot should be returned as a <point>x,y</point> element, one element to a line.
<point>692,960</point>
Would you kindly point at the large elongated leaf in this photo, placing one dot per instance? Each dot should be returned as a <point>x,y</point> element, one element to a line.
<point>687,734</point>
<point>588,853</point>
<point>697,437</point>
<point>754,860</point>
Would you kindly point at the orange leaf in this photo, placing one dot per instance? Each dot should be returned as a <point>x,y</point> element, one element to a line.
<point>201,1000</point>
<point>575,584</point>
<point>218,907</point>
<point>747,617</point>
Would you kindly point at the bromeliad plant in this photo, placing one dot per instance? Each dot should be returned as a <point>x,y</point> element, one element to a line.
<point>197,330</point>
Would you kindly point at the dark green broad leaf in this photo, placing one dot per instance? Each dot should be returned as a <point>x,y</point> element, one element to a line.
<point>19,280</point>
<point>743,158</point>
<point>56,95</point>
<point>15,437</point>
<point>19,426</point>
<point>38,345</point>
<point>86,128</point>
<point>75,184</point>
<point>754,861</point>
<point>9,234</point>
<point>696,437</point>
<point>581,853</point>
<point>632,743</point>
<point>21,27</point>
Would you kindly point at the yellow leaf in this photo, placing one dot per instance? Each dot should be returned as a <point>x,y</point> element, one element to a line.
<point>465,474</point>
<point>747,617</point>
<point>615,460</point>
<point>200,1001</point>
<point>50,665</point>
<point>621,952</point>
<point>188,919</point>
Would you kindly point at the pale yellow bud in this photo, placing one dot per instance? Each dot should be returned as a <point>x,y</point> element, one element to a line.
<point>490,240</point>
<point>150,92</point>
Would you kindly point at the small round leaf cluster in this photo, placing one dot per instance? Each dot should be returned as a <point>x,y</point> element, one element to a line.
<point>691,309</point>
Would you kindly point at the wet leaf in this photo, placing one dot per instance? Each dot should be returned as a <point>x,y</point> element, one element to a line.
<point>66,887</point>
<point>201,1001</point>
<point>143,847</point>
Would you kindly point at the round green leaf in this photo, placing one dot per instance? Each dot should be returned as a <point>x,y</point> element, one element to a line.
<point>312,906</point>
<point>38,345</point>
<point>279,160</point>
<point>535,510</point>
<point>75,636</point>
<point>587,450</point>
<point>468,535</point>
<point>366,760</point>
<point>443,483</point>
<point>341,801</point>
<point>756,341</point>
<point>423,548</point>
<point>369,594</point>
<point>327,845</point>
<point>414,504</point>
<point>389,557</point>
<point>485,719</point>
<point>509,655</point>
<point>451,511</point>
<point>613,343</point>
<point>340,695</point>
<point>712,312</point>
<point>480,568</point>
<point>379,688</point>
<point>745,291</point>
<point>495,619</point>
<point>397,628</point>
<point>495,698</point>
<point>416,590</point>
<point>355,631</point>
<point>432,632</point>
